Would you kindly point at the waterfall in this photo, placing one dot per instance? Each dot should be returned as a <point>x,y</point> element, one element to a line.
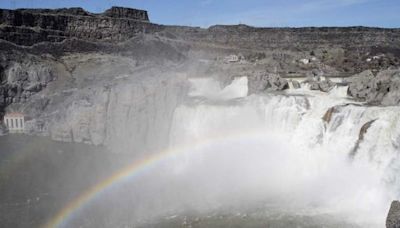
<point>313,148</point>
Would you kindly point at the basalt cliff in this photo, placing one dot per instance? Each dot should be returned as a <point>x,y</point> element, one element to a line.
<point>75,74</point>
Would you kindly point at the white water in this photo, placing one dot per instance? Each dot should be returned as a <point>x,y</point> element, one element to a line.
<point>278,146</point>
<point>211,88</point>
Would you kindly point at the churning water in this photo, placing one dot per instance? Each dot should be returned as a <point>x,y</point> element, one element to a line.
<point>313,151</point>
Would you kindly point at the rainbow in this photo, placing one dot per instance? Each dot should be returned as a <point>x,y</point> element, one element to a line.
<point>133,170</point>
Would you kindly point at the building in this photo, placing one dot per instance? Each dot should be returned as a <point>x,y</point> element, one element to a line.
<point>15,122</point>
<point>232,58</point>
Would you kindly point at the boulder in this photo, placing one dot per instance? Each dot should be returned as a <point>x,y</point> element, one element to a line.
<point>267,81</point>
<point>393,218</point>
<point>276,82</point>
<point>326,85</point>
<point>382,89</point>
<point>316,83</point>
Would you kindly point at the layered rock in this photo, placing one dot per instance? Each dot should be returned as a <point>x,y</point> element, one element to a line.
<point>28,27</point>
<point>121,12</point>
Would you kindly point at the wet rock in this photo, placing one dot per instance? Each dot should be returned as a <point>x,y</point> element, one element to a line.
<point>296,84</point>
<point>316,83</point>
<point>361,135</point>
<point>267,81</point>
<point>328,114</point>
<point>276,83</point>
<point>393,218</point>
<point>326,85</point>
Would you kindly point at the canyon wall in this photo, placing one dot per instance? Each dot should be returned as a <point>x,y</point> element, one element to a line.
<point>30,26</point>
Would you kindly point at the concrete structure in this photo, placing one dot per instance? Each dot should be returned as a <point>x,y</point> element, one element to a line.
<point>15,122</point>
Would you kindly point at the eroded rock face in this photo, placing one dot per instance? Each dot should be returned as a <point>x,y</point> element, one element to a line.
<point>129,117</point>
<point>30,26</point>
<point>393,218</point>
<point>105,100</point>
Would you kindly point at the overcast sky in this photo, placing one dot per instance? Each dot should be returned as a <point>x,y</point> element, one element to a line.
<point>266,13</point>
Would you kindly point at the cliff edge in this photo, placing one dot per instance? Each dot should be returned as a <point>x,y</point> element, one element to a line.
<point>30,26</point>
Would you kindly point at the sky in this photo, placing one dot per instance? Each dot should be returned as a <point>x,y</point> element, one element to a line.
<point>260,13</point>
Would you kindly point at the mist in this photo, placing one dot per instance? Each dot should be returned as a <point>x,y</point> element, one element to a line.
<point>251,156</point>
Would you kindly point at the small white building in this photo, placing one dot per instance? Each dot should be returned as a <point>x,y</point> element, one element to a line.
<point>232,58</point>
<point>15,122</point>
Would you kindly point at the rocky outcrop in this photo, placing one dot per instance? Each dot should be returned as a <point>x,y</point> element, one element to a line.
<point>22,78</point>
<point>122,12</point>
<point>28,27</point>
<point>384,88</point>
<point>324,85</point>
<point>361,135</point>
<point>296,84</point>
<point>329,114</point>
<point>393,218</point>
<point>267,81</point>
<point>361,85</point>
<point>100,99</point>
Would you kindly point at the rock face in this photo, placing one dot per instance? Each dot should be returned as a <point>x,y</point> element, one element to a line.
<point>323,85</point>
<point>21,79</point>
<point>121,12</point>
<point>361,136</point>
<point>27,27</point>
<point>267,81</point>
<point>360,85</point>
<point>393,218</point>
<point>380,89</point>
<point>98,99</point>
